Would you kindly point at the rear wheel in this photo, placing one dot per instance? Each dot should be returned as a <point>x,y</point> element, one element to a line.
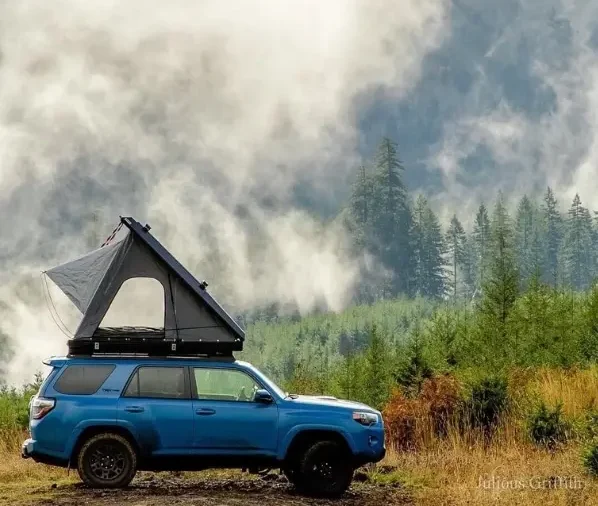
<point>107,461</point>
<point>324,470</point>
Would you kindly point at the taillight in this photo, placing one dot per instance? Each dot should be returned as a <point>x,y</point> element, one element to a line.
<point>40,407</point>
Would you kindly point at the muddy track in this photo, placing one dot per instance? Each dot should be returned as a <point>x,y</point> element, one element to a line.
<point>156,490</point>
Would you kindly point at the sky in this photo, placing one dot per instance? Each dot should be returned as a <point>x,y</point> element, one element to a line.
<point>208,120</point>
<point>201,119</point>
<point>506,101</point>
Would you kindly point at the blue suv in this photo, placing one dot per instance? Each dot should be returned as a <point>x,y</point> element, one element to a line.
<point>111,416</point>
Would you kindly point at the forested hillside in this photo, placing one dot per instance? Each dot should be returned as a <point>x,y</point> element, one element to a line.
<point>513,288</point>
<point>533,238</point>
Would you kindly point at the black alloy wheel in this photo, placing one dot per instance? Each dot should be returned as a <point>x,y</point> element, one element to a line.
<point>326,469</point>
<point>107,461</point>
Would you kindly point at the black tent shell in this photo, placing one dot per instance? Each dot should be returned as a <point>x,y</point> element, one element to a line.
<point>193,319</point>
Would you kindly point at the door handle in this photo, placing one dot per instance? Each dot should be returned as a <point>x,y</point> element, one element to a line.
<point>134,409</point>
<point>205,412</point>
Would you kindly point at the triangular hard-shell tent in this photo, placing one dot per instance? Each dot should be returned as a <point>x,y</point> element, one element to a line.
<point>191,315</point>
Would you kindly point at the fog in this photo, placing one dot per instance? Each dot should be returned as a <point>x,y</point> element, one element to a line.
<point>203,119</point>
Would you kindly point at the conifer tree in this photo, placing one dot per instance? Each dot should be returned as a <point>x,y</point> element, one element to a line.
<point>553,223</point>
<point>360,206</point>
<point>391,216</point>
<point>456,243</point>
<point>578,246</point>
<point>529,254</point>
<point>589,341</point>
<point>468,274</point>
<point>377,369</point>
<point>428,251</point>
<point>501,287</point>
<point>481,245</point>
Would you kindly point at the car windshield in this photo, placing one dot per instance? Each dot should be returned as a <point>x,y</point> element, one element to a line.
<point>269,383</point>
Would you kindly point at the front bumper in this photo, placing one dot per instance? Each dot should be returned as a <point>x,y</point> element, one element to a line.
<point>371,446</point>
<point>361,459</point>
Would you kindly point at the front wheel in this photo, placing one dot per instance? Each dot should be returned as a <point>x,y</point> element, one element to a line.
<point>107,461</point>
<point>325,470</point>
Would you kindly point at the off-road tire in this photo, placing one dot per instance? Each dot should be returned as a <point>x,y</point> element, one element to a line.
<point>107,460</point>
<point>324,470</point>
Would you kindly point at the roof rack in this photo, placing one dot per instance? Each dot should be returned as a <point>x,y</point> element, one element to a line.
<point>152,347</point>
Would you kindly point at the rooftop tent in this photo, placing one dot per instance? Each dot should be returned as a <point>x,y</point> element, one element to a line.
<point>191,315</point>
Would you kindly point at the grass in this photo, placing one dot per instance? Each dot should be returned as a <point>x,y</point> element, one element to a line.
<point>20,478</point>
<point>454,472</point>
<point>14,469</point>
<point>468,466</point>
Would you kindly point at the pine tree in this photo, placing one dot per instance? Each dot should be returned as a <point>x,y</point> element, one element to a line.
<point>390,216</point>
<point>528,241</point>
<point>468,268</point>
<point>360,206</point>
<point>418,244</point>
<point>350,378</point>
<point>578,246</point>
<point>481,245</point>
<point>412,373</point>
<point>456,243</point>
<point>589,341</point>
<point>377,371</point>
<point>428,251</point>
<point>501,287</point>
<point>553,223</point>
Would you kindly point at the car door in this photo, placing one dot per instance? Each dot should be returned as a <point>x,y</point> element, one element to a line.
<point>157,404</point>
<point>227,419</point>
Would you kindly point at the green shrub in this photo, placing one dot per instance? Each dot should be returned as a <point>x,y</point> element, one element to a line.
<point>547,427</point>
<point>487,401</point>
<point>415,368</point>
<point>14,404</point>
<point>590,459</point>
<point>591,425</point>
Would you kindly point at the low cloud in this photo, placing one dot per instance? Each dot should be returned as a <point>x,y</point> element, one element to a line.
<point>203,119</point>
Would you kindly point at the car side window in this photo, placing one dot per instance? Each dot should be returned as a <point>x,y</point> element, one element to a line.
<point>158,383</point>
<point>224,385</point>
<point>83,379</point>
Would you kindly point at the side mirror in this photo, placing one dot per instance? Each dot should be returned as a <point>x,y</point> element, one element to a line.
<point>263,396</point>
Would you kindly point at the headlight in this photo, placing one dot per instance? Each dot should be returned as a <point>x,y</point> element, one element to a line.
<point>365,418</point>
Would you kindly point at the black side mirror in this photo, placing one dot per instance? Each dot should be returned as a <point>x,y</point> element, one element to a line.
<point>263,396</point>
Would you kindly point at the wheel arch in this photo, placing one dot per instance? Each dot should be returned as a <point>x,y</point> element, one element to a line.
<point>94,430</point>
<point>304,437</point>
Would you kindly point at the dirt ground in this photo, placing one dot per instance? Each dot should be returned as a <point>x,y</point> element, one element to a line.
<point>158,490</point>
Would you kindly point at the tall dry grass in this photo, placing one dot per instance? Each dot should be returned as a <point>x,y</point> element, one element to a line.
<point>14,470</point>
<point>462,464</point>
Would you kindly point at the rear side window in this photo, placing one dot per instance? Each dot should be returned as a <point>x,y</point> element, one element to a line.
<point>158,383</point>
<point>83,379</point>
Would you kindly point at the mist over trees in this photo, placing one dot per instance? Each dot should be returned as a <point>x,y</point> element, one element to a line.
<point>538,242</point>
<point>514,288</point>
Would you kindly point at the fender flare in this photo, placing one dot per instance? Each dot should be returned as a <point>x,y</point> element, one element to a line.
<point>298,429</point>
<point>81,427</point>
